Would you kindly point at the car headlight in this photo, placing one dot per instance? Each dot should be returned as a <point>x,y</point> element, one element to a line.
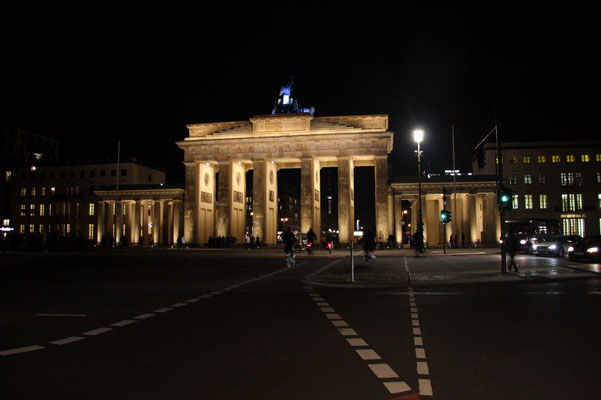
<point>534,246</point>
<point>570,249</point>
<point>523,241</point>
<point>553,247</point>
<point>592,250</point>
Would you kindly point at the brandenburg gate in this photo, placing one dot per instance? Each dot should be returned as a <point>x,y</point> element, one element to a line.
<point>215,205</point>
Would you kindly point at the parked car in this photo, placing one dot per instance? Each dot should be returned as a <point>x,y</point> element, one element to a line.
<point>555,245</point>
<point>588,249</point>
<point>526,243</point>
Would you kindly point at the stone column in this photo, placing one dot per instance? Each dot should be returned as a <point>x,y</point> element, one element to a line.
<point>169,207</point>
<point>177,212</point>
<point>424,205</point>
<point>224,205</point>
<point>156,222</point>
<point>265,212</point>
<point>100,221</point>
<point>191,201</point>
<point>346,199</point>
<point>145,221</point>
<point>162,224</point>
<point>398,219</point>
<point>128,221</point>
<point>310,196</point>
<point>381,189</point>
<point>391,214</point>
<point>137,222</point>
<point>118,221</point>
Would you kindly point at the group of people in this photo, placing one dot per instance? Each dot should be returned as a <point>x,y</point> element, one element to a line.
<point>221,242</point>
<point>453,240</point>
<point>251,243</point>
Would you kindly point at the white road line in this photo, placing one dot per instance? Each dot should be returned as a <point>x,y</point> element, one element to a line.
<point>177,305</point>
<point>333,316</point>
<point>339,323</point>
<point>417,331</point>
<point>383,371</point>
<point>397,387</point>
<point>60,315</point>
<point>417,341</point>
<point>97,331</point>
<point>71,339</point>
<point>124,322</point>
<point>145,316</point>
<point>322,304</point>
<point>347,332</point>
<point>420,352</point>
<point>163,310</point>
<point>414,315</point>
<point>215,292</point>
<point>318,299</point>
<point>368,354</point>
<point>192,300</point>
<point>425,387</point>
<point>356,342</point>
<point>314,294</point>
<point>413,309</point>
<point>422,368</point>
<point>415,322</point>
<point>20,350</point>
<point>206,296</point>
<point>327,309</point>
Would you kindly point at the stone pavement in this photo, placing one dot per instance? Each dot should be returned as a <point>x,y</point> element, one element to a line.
<point>400,268</point>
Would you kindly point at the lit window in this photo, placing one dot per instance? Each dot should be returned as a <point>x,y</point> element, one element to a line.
<point>555,158</point>
<point>22,228</point>
<point>513,160</point>
<point>68,228</point>
<point>527,179</point>
<point>526,159</point>
<point>33,191</point>
<point>23,191</point>
<point>542,159</point>
<point>8,174</point>
<point>91,209</point>
<point>584,158</point>
<point>91,231</point>
<point>515,203</point>
<point>570,158</point>
<point>598,177</point>
<point>542,178</point>
<point>43,191</point>
<point>32,228</point>
<point>597,158</point>
<point>599,196</point>
<point>52,191</point>
<point>528,202</point>
<point>542,201</point>
<point>571,202</point>
<point>5,222</point>
<point>42,209</point>
<point>513,179</point>
<point>23,210</point>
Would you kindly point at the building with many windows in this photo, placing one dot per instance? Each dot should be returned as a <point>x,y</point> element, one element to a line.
<point>43,198</point>
<point>557,184</point>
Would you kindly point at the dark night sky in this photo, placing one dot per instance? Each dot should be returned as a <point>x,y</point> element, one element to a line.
<point>92,76</point>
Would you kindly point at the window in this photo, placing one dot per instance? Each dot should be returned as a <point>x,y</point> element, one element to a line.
<point>52,191</point>
<point>91,209</point>
<point>555,158</point>
<point>584,158</point>
<point>8,175</point>
<point>598,157</point>
<point>23,191</point>
<point>599,197</point>
<point>577,179</point>
<point>542,178</point>
<point>513,179</point>
<point>113,172</point>
<point>515,203</point>
<point>528,179</point>
<point>571,202</point>
<point>571,179</point>
<point>22,228</point>
<point>43,191</point>
<point>102,172</point>
<point>528,202</point>
<point>573,226</point>
<point>513,160</point>
<point>123,172</point>
<point>23,210</point>
<point>91,231</point>
<point>33,191</point>
<point>6,222</point>
<point>526,159</point>
<point>570,158</point>
<point>42,209</point>
<point>598,177</point>
<point>542,159</point>
<point>542,201</point>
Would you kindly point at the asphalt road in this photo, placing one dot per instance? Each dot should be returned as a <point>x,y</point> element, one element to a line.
<point>237,325</point>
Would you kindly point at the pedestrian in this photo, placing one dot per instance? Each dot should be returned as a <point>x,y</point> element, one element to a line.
<point>512,246</point>
<point>451,240</point>
<point>258,242</point>
<point>247,241</point>
<point>455,239</point>
<point>252,242</point>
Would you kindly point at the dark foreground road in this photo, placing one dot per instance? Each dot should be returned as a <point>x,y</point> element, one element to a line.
<point>217,325</point>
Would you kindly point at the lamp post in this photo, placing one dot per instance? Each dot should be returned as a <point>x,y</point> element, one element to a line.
<point>418,136</point>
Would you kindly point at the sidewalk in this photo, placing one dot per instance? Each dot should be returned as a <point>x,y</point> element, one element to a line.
<point>400,268</point>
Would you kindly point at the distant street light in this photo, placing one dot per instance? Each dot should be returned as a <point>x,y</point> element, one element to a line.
<point>418,136</point>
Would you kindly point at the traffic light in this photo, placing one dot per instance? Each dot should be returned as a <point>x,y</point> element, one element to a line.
<point>445,216</point>
<point>504,198</point>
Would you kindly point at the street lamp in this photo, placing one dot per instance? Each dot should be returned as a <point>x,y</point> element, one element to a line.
<point>418,136</point>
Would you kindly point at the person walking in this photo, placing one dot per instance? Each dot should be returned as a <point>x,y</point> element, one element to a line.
<point>451,240</point>
<point>289,241</point>
<point>512,247</point>
<point>310,239</point>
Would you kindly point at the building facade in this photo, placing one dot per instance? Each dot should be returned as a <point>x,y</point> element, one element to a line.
<point>48,198</point>
<point>556,184</point>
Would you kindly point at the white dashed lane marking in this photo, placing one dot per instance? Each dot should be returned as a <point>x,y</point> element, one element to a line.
<point>20,350</point>
<point>97,331</point>
<point>125,322</point>
<point>382,371</point>
<point>68,340</point>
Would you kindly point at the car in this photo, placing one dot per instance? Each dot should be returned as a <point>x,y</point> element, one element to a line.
<point>588,249</point>
<point>555,245</point>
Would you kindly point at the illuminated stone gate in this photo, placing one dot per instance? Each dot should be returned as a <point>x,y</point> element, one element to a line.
<point>265,144</point>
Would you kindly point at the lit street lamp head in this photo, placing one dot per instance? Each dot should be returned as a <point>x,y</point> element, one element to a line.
<point>418,135</point>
